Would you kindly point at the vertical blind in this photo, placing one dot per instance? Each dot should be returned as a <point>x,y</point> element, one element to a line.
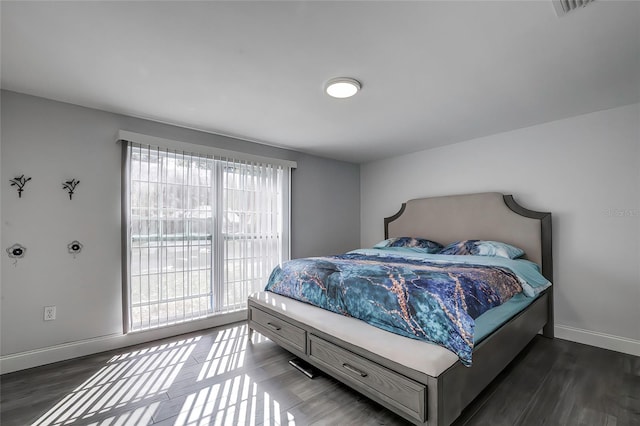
<point>203,232</point>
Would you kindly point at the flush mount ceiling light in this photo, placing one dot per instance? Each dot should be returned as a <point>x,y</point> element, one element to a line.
<point>342,87</point>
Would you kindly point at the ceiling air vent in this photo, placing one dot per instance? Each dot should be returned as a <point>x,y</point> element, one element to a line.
<point>565,6</point>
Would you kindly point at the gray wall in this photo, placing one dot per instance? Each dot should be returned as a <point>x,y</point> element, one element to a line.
<point>585,170</point>
<point>51,142</point>
<point>333,209</point>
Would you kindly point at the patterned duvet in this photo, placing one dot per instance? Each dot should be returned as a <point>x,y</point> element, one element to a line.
<point>434,301</point>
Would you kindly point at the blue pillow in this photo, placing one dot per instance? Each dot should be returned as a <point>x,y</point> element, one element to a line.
<point>483,248</point>
<point>416,244</point>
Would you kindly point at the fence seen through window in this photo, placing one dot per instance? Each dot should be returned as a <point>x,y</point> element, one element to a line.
<point>204,233</point>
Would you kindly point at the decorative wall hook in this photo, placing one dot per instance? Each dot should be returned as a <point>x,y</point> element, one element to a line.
<point>70,186</point>
<point>16,251</point>
<point>74,247</point>
<point>20,182</point>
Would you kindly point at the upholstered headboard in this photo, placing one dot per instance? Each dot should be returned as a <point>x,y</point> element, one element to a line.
<point>483,216</point>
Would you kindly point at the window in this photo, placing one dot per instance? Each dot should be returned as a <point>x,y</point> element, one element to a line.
<point>203,232</point>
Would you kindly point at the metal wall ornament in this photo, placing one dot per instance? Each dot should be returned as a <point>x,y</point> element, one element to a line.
<point>19,182</point>
<point>16,251</point>
<point>70,186</point>
<point>75,248</point>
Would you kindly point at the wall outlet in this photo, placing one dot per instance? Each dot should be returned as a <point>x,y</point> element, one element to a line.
<point>49,313</point>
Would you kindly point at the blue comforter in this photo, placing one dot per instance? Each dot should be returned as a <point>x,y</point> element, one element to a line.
<point>433,298</point>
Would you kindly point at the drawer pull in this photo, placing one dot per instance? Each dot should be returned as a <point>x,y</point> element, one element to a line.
<point>354,370</point>
<point>273,326</point>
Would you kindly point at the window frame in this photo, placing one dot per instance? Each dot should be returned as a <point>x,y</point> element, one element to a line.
<point>125,138</point>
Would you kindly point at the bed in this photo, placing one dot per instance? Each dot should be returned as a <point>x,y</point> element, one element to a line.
<point>422,382</point>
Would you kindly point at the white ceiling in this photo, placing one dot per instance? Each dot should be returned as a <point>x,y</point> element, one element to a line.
<point>433,73</point>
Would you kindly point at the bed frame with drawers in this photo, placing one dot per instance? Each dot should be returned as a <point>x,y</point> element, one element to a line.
<point>421,382</point>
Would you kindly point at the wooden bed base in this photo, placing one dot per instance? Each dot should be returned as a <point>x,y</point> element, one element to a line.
<point>420,398</point>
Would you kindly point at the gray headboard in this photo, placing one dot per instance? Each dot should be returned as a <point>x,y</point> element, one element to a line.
<point>483,216</point>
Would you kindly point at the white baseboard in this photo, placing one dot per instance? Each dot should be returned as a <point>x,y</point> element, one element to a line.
<point>600,340</point>
<point>37,357</point>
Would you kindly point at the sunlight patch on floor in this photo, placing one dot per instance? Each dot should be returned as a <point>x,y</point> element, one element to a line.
<point>127,379</point>
<point>140,416</point>
<point>227,353</point>
<point>236,401</point>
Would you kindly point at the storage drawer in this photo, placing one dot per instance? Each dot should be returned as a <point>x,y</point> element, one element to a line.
<point>398,390</point>
<point>279,330</point>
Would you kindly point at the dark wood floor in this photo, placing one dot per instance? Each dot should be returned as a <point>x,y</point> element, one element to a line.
<point>216,377</point>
